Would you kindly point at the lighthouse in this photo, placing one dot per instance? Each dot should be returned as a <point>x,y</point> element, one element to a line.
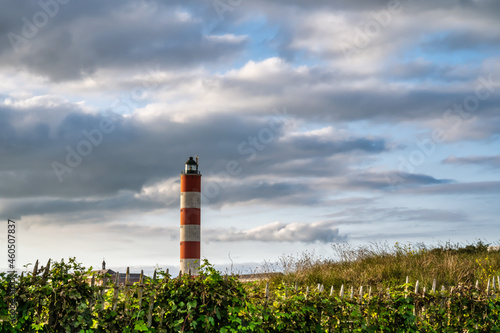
<point>190,217</point>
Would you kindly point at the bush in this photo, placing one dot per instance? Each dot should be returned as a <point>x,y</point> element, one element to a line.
<point>60,298</point>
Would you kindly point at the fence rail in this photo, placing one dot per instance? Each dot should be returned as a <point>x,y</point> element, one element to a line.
<point>491,290</point>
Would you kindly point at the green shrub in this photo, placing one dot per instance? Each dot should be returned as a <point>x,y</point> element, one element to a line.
<point>60,298</point>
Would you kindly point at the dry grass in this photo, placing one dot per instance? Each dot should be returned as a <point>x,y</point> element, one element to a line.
<point>381,265</point>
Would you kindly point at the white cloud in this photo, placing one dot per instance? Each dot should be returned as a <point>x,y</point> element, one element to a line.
<point>228,38</point>
<point>321,231</point>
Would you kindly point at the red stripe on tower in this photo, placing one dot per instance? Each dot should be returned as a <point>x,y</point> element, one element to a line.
<point>190,217</point>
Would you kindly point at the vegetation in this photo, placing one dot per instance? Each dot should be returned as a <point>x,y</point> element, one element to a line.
<point>60,298</point>
<point>381,265</point>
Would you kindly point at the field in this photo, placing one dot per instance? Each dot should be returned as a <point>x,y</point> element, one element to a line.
<point>383,265</point>
<point>365,291</point>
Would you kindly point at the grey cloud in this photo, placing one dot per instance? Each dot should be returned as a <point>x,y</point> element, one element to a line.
<point>402,39</point>
<point>354,201</point>
<point>261,191</point>
<point>34,138</point>
<point>485,126</point>
<point>366,5</point>
<point>316,95</point>
<point>359,12</point>
<point>137,154</point>
<point>462,40</point>
<point>341,146</point>
<point>487,161</point>
<point>323,232</point>
<point>146,231</point>
<point>95,35</point>
<point>390,180</point>
<point>477,188</point>
<point>430,71</point>
<point>430,215</point>
<point>86,209</point>
<point>374,214</point>
<point>117,34</point>
<point>321,154</point>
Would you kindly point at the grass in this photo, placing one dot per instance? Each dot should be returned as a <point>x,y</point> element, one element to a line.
<point>380,265</point>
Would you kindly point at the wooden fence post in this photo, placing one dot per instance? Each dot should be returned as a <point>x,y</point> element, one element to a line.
<point>46,272</point>
<point>406,286</point>
<point>127,289</point>
<point>165,279</point>
<point>103,290</point>
<point>116,290</point>
<point>35,272</point>
<point>141,287</point>
<point>151,301</point>
<point>92,288</point>
<point>42,283</point>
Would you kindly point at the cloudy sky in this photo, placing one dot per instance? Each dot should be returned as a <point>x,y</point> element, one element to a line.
<point>315,122</point>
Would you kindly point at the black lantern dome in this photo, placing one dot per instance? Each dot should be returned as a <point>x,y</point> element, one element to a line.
<point>191,166</point>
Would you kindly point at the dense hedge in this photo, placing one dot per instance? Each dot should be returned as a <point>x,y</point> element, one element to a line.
<point>62,300</point>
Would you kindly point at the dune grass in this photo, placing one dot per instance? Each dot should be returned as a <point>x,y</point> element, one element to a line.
<point>382,265</point>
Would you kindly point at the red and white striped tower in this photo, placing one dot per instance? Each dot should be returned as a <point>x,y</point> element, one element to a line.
<point>190,217</point>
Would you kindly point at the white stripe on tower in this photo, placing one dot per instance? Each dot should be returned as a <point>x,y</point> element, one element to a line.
<point>190,200</point>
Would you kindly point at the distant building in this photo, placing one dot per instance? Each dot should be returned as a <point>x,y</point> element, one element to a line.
<point>122,277</point>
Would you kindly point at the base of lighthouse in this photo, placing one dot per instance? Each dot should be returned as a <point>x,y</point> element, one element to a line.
<point>191,266</point>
